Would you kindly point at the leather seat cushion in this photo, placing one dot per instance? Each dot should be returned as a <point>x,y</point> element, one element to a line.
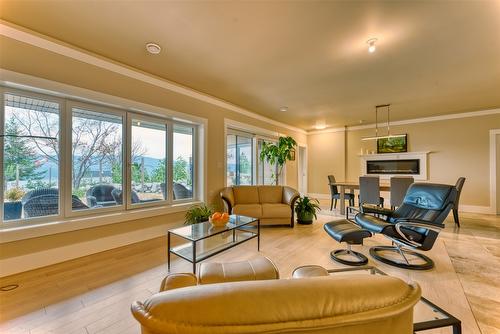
<point>270,194</point>
<point>259,268</point>
<point>250,210</point>
<point>345,231</point>
<point>276,211</point>
<point>377,225</point>
<point>246,195</point>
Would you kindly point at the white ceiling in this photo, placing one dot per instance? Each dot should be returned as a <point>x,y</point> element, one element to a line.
<point>432,58</point>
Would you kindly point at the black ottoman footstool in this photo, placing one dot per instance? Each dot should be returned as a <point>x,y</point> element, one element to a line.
<point>350,233</point>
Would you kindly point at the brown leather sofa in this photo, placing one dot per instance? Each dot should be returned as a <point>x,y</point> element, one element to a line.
<point>273,205</point>
<point>354,304</point>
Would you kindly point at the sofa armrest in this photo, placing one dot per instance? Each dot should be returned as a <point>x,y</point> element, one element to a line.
<point>309,271</point>
<point>178,280</point>
<point>227,196</point>
<point>290,195</point>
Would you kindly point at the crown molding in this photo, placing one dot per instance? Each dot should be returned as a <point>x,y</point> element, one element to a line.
<point>24,35</point>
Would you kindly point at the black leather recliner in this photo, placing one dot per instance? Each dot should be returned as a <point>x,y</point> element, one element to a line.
<point>415,224</point>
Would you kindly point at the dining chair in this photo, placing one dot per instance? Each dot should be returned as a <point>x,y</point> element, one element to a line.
<point>335,195</point>
<point>459,185</point>
<point>399,187</point>
<point>369,191</point>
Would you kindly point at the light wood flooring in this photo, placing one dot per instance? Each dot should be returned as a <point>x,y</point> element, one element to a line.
<point>93,294</point>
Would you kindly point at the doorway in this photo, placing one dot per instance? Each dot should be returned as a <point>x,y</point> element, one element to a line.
<point>302,170</point>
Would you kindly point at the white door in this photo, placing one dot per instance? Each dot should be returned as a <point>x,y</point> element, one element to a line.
<point>302,169</point>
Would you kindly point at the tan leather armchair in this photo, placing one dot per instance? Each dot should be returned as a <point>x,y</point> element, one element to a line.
<point>273,205</point>
<point>354,304</point>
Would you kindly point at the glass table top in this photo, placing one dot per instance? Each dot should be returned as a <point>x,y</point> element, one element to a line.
<point>203,230</point>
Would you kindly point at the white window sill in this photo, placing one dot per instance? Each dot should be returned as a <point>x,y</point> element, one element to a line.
<point>27,230</point>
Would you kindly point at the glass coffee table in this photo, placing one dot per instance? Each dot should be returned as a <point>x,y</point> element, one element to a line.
<point>426,315</point>
<point>205,240</point>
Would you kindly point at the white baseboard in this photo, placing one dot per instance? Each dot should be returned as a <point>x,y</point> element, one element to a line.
<point>48,257</point>
<point>462,207</point>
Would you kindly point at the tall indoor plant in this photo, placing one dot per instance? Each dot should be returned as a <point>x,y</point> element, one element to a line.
<point>278,153</point>
<point>306,208</point>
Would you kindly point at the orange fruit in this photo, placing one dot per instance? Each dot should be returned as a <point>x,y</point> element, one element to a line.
<point>216,216</point>
<point>225,216</point>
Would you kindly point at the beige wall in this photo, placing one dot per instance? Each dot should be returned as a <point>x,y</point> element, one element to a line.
<point>460,147</point>
<point>34,61</point>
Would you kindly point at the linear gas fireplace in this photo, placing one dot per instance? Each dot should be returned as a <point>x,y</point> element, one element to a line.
<point>400,166</point>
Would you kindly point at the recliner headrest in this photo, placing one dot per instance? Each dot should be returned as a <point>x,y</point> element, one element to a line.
<point>430,196</point>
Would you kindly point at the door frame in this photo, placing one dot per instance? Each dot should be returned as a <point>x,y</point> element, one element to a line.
<point>299,169</point>
<point>493,170</point>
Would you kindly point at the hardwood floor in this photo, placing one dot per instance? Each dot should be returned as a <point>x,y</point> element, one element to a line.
<point>93,294</point>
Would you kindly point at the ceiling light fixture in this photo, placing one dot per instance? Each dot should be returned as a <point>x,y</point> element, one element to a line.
<point>284,109</point>
<point>320,125</point>
<point>371,45</point>
<point>153,48</point>
<point>388,106</point>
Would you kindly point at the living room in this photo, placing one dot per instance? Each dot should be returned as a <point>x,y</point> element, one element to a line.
<point>184,97</point>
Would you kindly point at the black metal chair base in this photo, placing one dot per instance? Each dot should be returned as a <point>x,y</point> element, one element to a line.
<point>428,263</point>
<point>335,255</point>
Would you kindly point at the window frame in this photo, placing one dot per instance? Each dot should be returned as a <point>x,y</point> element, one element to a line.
<point>38,96</point>
<point>70,104</point>
<point>128,198</point>
<point>252,137</point>
<point>66,103</point>
<point>194,163</point>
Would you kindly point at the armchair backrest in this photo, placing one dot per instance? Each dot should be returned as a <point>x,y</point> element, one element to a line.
<point>399,187</point>
<point>39,192</point>
<point>101,192</point>
<point>430,202</point>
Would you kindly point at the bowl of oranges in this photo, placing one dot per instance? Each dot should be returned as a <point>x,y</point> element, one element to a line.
<point>219,219</point>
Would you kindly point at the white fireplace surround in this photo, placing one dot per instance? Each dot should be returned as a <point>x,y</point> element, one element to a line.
<point>421,156</point>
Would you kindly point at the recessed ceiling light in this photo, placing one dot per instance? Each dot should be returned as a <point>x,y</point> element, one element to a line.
<point>371,45</point>
<point>153,48</point>
<point>284,109</point>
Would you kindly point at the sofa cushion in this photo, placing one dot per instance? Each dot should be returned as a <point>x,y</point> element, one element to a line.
<point>270,194</point>
<point>246,195</point>
<point>250,210</point>
<point>276,211</point>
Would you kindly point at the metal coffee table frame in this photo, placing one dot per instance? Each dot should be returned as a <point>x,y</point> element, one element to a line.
<point>187,251</point>
<point>450,320</point>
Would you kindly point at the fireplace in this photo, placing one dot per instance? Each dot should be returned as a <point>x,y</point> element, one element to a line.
<point>393,167</point>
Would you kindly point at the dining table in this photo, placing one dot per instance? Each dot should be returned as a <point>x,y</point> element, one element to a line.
<point>352,185</point>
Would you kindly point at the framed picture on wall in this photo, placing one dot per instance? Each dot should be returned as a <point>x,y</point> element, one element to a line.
<point>392,145</point>
<point>292,155</point>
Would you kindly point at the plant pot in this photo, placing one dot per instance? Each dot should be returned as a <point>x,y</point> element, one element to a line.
<point>12,210</point>
<point>305,218</point>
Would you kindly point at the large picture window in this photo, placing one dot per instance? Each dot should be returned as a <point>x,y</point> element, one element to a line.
<point>183,162</point>
<point>62,158</point>
<point>148,161</point>
<point>97,159</point>
<point>30,157</point>
<point>240,160</point>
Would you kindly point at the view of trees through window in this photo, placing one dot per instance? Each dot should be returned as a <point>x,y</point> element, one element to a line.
<point>183,162</point>
<point>149,154</point>
<point>32,153</point>
<point>30,157</point>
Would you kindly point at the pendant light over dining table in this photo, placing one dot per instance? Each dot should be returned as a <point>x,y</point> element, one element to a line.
<point>388,135</point>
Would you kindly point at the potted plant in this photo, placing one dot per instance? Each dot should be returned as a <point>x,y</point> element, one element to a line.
<point>197,214</point>
<point>13,208</point>
<point>278,153</point>
<point>306,208</point>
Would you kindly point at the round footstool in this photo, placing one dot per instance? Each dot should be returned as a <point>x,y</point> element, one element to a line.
<point>351,234</point>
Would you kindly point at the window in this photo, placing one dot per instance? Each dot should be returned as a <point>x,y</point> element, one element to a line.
<point>243,164</point>
<point>148,161</point>
<point>266,172</point>
<point>182,162</point>
<point>240,159</point>
<point>105,159</point>
<point>31,157</point>
<point>97,159</point>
